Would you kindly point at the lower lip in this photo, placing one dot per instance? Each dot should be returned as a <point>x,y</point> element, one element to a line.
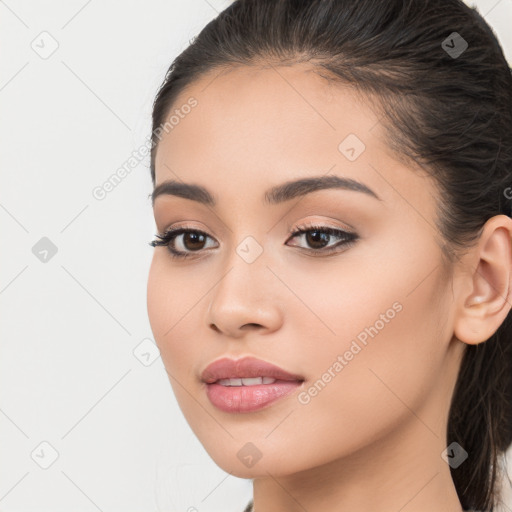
<point>249,398</point>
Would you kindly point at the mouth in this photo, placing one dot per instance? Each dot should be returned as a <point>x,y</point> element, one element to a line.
<point>246,368</point>
<point>247,384</point>
<point>248,381</point>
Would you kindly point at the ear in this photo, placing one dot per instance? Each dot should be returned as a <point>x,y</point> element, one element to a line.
<point>486,290</point>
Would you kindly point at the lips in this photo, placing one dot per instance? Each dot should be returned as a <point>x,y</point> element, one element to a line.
<point>247,385</point>
<point>245,368</point>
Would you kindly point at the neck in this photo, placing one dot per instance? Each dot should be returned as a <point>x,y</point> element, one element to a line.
<point>401,471</point>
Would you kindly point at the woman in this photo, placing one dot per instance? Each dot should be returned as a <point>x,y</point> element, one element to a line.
<point>331,284</point>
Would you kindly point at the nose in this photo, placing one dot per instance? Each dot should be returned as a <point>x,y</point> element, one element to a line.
<point>247,298</point>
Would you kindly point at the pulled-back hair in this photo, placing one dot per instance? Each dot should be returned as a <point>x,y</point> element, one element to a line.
<point>444,106</point>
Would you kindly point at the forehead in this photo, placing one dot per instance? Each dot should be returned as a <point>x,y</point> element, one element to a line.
<point>253,127</point>
<point>279,109</point>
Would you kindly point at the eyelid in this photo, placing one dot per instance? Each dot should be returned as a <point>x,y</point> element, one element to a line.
<point>324,222</point>
<point>345,237</point>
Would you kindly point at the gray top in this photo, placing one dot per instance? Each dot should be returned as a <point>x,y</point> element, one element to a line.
<point>250,507</point>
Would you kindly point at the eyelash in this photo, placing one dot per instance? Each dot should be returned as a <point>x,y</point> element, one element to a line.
<point>348,239</point>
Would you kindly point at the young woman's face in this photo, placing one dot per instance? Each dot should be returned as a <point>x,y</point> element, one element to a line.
<point>364,326</point>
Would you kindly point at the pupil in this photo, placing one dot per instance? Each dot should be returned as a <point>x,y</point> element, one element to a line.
<point>193,236</point>
<point>313,235</point>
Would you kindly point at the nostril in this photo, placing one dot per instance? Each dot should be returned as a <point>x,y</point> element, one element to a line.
<point>251,324</point>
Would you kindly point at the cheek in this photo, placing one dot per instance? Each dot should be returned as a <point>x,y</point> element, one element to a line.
<point>157,298</point>
<point>167,301</point>
<point>384,359</point>
<point>167,304</point>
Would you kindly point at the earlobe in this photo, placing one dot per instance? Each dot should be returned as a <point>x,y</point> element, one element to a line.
<point>486,299</point>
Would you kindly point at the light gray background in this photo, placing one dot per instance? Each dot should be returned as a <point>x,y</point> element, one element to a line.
<point>74,328</point>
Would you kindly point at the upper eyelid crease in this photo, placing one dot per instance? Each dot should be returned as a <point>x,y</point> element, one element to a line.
<point>275,195</point>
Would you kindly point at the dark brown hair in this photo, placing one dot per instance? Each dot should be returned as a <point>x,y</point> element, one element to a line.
<point>445,95</point>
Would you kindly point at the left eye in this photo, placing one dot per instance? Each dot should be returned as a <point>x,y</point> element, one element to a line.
<point>318,237</point>
<point>193,241</point>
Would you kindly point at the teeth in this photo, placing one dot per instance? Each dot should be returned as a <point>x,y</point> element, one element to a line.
<point>253,381</point>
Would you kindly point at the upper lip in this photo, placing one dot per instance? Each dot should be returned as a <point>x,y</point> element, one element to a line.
<point>246,367</point>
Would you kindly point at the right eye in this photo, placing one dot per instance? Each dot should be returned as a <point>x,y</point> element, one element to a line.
<point>192,241</point>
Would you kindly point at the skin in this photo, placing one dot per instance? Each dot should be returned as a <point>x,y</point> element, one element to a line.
<point>372,439</point>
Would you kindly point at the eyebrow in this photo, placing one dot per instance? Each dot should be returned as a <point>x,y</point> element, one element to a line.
<point>275,195</point>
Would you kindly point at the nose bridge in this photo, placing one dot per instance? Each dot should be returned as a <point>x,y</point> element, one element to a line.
<point>245,268</point>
